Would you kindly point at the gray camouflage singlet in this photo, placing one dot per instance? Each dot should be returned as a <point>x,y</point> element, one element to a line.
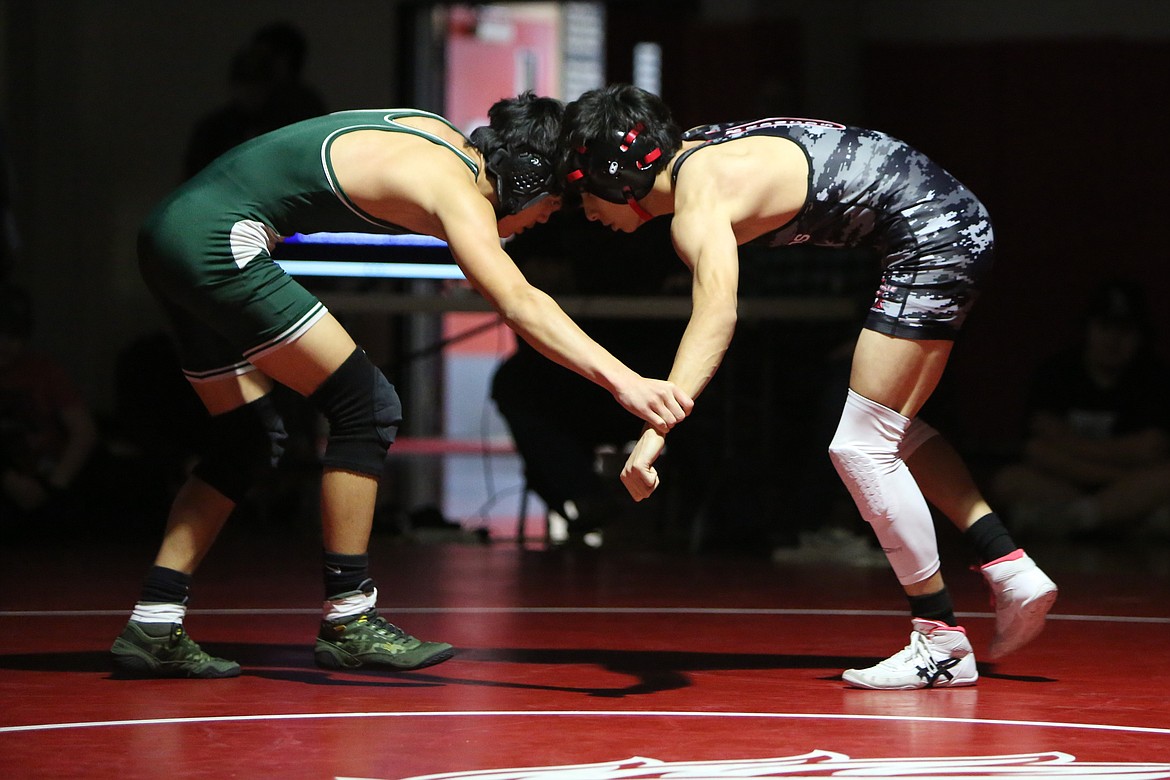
<point>867,189</point>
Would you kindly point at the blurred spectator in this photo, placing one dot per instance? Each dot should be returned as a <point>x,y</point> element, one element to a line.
<point>822,521</point>
<point>286,50</point>
<point>241,118</point>
<point>1097,451</point>
<point>266,92</point>
<point>571,256</point>
<point>47,433</point>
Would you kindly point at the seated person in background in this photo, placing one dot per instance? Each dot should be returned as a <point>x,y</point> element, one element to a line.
<point>47,433</point>
<point>532,393</point>
<point>1097,452</point>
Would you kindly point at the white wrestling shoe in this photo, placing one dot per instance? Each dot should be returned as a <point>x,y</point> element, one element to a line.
<point>1022,596</point>
<point>938,656</point>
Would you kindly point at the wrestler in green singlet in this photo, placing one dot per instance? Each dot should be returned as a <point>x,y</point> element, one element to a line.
<point>206,250</point>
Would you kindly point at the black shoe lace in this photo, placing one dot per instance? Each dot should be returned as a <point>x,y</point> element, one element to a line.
<point>384,626</point>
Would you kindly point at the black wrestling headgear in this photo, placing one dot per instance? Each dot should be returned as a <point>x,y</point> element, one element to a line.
<point>618,169</point>
<point>523,177</point>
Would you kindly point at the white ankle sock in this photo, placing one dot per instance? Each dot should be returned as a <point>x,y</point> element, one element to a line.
<point>348,606</point>
<point>152,612</point>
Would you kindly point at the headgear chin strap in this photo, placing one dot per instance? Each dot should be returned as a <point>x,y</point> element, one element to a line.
<point>523,178</point>
<point>617,169</point>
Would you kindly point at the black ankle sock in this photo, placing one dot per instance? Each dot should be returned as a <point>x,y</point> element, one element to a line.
<point>165,586</point>
<point>934,606</point>
<point>346,573</point>
<point>990,538</point>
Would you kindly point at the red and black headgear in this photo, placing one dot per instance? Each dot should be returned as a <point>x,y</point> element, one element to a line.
<point>619,169</point>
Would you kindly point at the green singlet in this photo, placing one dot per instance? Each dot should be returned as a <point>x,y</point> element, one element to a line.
<point>205,251</point>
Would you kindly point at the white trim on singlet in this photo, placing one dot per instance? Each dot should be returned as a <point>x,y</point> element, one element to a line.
<point>287,336</point>
<point>234,369</point>
<point>249,238</point>
<point>290,334</point>
<point>392,125</point>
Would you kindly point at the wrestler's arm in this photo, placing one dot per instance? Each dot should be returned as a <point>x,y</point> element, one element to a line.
<point>469,225</point>
<point>704,239</point>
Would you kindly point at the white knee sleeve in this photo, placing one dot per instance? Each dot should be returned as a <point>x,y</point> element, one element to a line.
<point>916,435</point>
<point>866,453</point>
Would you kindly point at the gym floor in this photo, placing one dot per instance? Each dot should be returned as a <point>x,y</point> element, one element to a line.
<point>630,663</point>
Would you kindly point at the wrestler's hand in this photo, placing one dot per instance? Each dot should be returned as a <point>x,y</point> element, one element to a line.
<point>639,475</point>
<point>660,403</point>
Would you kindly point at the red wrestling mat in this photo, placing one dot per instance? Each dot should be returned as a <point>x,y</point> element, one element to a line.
<point>616,664</point>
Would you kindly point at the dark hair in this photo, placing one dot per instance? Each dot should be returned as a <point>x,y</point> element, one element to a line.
<point>526,122</point>
<point>519,146</point>
<point>601,113</point>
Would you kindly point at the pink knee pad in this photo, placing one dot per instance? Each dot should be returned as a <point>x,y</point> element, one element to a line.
<point>866,453</point>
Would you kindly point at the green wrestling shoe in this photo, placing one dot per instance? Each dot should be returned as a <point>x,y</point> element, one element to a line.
<point>367,640</point>
<point>139,652</point>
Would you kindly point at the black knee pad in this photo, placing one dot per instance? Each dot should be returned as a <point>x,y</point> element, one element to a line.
<point>240,446</point>
<point>363,412</point>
